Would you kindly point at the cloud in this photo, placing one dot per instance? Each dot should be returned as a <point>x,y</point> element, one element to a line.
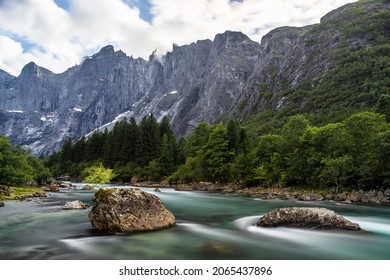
<point>55,38</point>
<point>12,56</point>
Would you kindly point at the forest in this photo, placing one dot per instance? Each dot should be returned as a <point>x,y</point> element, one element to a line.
<point>352,153</point>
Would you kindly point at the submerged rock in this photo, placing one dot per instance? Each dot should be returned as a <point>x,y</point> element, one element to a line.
<point>126,210</point>
<point>1,204</point>
<point>77,204</point>
<point>301,217</point>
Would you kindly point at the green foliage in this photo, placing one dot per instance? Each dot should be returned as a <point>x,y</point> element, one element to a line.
<point>336,171</point>
<point>147,150</point>
<point>20,192</point>
<point>98,174</point>
<point>14,169</point>
<point>383,106</point>
<point>353,152</point>
<point>217,154</point>
<point>18,166</point>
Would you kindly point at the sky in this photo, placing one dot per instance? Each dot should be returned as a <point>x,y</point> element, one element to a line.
<point>57,34</point>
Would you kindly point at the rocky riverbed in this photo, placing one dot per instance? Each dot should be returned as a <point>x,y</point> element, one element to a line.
<point>347,197</point>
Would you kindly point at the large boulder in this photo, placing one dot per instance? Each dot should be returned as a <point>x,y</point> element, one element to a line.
<point>126,210</point>
<point>301,217</point>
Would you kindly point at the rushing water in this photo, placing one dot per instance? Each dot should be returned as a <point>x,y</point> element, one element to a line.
<point>209,226</point>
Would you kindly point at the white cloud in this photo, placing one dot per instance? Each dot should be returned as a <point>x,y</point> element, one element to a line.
<point>11,55</point>
<point>58,38</point>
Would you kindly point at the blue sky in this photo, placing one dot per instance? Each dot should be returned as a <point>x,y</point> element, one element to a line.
<point>57,34</point>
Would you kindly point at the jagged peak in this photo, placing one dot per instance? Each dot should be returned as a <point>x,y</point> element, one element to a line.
<point>32,68</point>
<point>231,36</point>
<point>109,49</point>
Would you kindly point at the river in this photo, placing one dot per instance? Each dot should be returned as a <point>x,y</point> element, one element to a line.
<point>209,226</point>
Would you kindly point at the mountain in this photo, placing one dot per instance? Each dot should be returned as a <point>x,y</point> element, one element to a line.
<point>338,65</point>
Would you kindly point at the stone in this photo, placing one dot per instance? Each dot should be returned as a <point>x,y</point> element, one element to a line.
<point>366,198</point>
<point>164,184</point>
<point>32,183</point>
<point>340,197</point>
<point>311,197</point>
<point>4,190</point>
<point>77,204</point>
<point>53,188</point>
<point>329,197</point>
<point>52,185</point>
<point>88,188</point>
<point>270,196</point>
<point>354,196</point>
<point>387,193</point>
<point>127,210</point>
<point>289,197</point>
<point>183,187</point>
<point>311,218</point>
<point>157,190</point>
<point>1,204</point>
<point>133,180</point>
<point>64,178</point>
<point>66,185</point>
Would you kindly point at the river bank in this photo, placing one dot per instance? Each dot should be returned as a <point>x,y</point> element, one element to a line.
<point>345,197</point>
<point>378,197</point>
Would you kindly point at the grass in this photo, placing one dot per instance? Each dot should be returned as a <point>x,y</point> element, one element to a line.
<point>17,193</point>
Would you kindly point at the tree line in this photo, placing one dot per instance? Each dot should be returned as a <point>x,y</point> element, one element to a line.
<point>148,150</point>
<point>352,153</point>
<point>19,166</point>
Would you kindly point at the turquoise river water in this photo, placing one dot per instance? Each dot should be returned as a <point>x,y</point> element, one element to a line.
<point>209,226</point>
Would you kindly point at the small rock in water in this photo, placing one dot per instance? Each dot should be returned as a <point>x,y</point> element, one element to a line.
<point>77,204</point>
<point>302,217</point>
<point>1,204</point>
<point>88,188</point>
<point>311,197</point>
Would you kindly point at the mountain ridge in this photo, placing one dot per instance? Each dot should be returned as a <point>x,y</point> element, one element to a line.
<point>229,76</point>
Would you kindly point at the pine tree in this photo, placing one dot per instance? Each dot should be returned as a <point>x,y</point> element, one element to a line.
<point>166,159</point>
<point>217,155</point>
<point>149,141</point>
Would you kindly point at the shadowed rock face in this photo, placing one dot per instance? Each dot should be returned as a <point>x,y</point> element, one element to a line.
<point>313,218</point>
<point>126,210</point>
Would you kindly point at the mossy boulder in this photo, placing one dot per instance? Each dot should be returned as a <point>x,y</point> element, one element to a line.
<point>302,217</point>
<point>127,210</point>
<point>88,188</point>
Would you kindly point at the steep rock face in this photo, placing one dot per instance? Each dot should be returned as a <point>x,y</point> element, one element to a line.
<point>231,75</point>
<point>4,78</point>
<point>191,84</point>
<point>302,60</point>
